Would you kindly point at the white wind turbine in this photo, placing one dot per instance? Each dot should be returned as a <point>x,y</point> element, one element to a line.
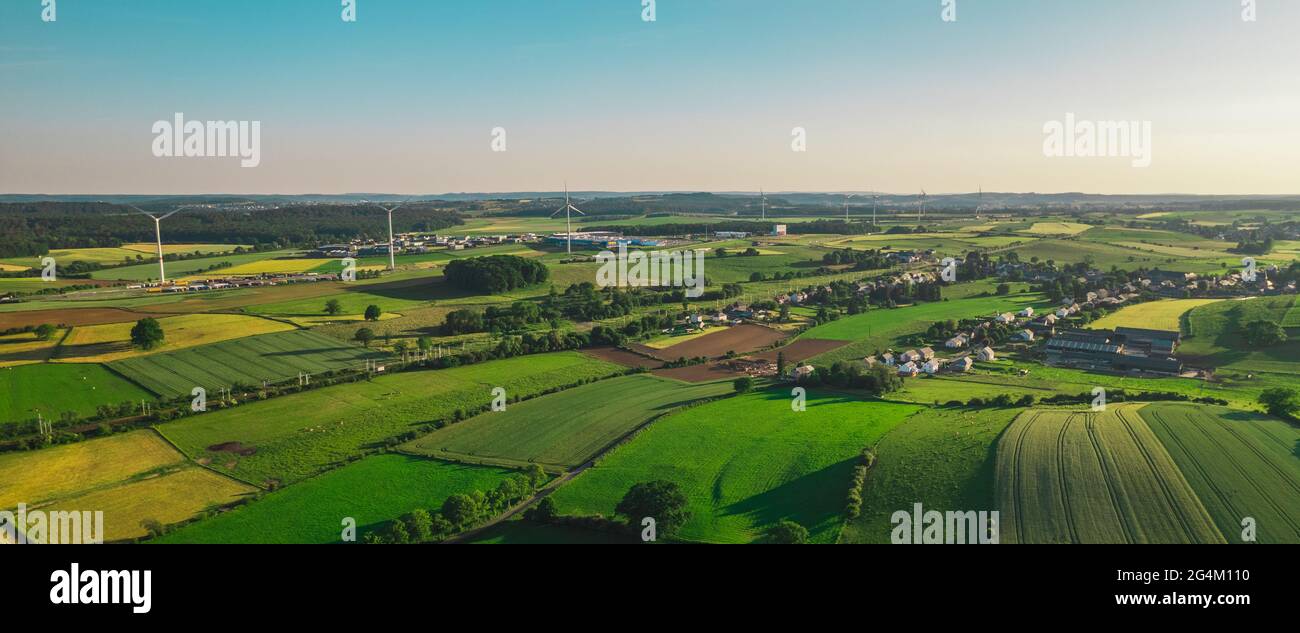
<point>763,197</point>
<point>157,231</point>
<point>920,214</point>
<point>847,197</point>
<point>392,259</point>
<point>568,220</point>
<point>875,202</point>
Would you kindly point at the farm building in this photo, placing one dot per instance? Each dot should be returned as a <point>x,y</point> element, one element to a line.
<point>961,364</point>
<point>1027,313</point>
<point>956,342</point>
<point>926,353</point>
<point>1133,350</point>
<point>802,371</point>
<point>888,358</point>
<point>910,356</point>
<point>986,354</point>
<point>1024,335</point>
<point>1005,317</point>
<point>908,369</point>
<point>931,366</point>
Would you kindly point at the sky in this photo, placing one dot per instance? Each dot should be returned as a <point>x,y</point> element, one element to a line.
<point>890,95</point>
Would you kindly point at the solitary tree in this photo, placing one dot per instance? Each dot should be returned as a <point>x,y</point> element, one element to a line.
<point>660,500</point>
<point>333,307</point>
<point>372,312</point>
<point>147,333</point>
<point>45,331</point>
<point>743,384</point>
<point>365,335</point>
<point>786,532</point>
<point>1281,402</point>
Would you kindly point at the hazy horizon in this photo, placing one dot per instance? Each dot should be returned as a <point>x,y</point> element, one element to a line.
<point>704,99</point>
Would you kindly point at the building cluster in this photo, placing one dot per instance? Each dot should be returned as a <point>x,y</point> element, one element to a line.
<point>229,283</point>
<point>1123,349</point>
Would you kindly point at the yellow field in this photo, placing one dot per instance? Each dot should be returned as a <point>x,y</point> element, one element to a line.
<point>1055,228</point>
<point>274,266</point>
<point>1153,315</point>
<point>1157,214</point>
<point>21,349</point>
<point>51,473</point>
<point>112,341</point>
<point>12,268</point>
<point>152,249</point>
<point>170,498</point>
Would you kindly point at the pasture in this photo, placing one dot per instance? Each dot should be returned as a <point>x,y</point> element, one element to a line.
<point>1156,315</point>
<point>1085,477</point>
<point>244,361</point>
<point>293,437</point>
<point>148,270</point>
<point>372,491</point>
<point>564,429</point>
<point>745,463</point>
<point>1056,228</point>
<point>1240,465</point>
<point>109,342</point>
<point>53,388</point>
<point>941,458</point>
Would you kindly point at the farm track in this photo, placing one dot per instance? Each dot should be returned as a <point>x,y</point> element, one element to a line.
<point>1063,478</point>
<point>1109,475</point>
<point>1173,505</point>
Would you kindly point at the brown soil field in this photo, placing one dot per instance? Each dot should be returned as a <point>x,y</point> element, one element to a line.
<point>622,357</point>
<point>739,339</point>
<point>707,372</point>
<point>797,351</point>
<point>71,316</point>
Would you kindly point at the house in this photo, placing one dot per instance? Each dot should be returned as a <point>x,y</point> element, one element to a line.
<point>910,356</point>
<point>888,358</point>
<point>802,371</point>
<point>1027,313</point>
<point>1024,335</point>
<point>956,342</point>
<point>908,369</point>
<point>926,353</point>
<point>931,366</point>
<point>1049,320</point>
<point>870,361</point>
<point>961,364</point>
<point>986,354</point>
<point>1005,317</point>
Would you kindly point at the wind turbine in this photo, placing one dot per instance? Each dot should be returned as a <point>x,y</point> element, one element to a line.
<point>392,259</point>
<point>763,197</point>
<point>875,202</point>
<point>846,206</point>
<point>568,221</point>
<point>157,231</point>
<point>920,215</point>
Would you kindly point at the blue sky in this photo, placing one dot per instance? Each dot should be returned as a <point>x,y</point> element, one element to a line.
<point>892,97</point>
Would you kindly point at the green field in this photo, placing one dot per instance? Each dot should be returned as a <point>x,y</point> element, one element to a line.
<point>1240,465</point>
<point>881,329</point>
<point>745,463</point>
<point>1155,315</point>
<point>372,491</point>
<point>565,429</point>
<point>52,389</point>
<point>1084,477</point>
<point>298,435</point>
<point>940,458</point>
<point>245,361</point>
<point>1214,337</point>
<point>148,271</point>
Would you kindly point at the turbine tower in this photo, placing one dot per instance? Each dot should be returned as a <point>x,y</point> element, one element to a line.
<point>875,202</point>
<point>763,202</point>
<point>568,221</point>
<point>846,207</point>
<point>157,231</point>
<point>392,258</point>
<point>920,214</point>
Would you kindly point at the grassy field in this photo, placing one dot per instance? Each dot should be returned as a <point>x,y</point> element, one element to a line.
<point>881,329</point>
<point>745,463</point>
<point>112,341</point>
<point>55,388</point>
<point>372,491</point>
<point>1083,477</point>
<point>565,429</point>
<point>115,256</point>
<point>169,498</point>
<point>1240,465</point>
<point>296,436</point>
<point>1155,315</point>
<point>1056,228</point>
<point>247,361</point>
<point>1214,337</point>
<point>39,476</point>
<point>942,459</point>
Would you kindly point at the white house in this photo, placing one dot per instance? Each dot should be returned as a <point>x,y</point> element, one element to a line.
<point>931,366</point>
<point>1024,335</point>
<point>910,356</point>
<point>956,342</point>
<point>961,364</point>
<point>986,354</point>
<point>802,371</point>
<point>888,357</point>
<point>1027,313</point>
<point>1006,317</point>
<point>908,369</point>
